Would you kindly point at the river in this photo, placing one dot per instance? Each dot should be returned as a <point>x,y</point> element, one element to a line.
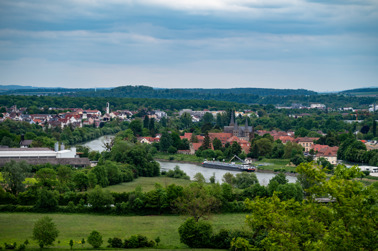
<point>192,169</point>
<point>189,169</point>
<point>99,143</point>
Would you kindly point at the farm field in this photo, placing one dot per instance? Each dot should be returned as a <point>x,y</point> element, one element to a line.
<point>17,227</point>
<point>147,184</point>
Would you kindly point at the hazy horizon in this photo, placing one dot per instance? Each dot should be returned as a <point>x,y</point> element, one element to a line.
<point>322,46</point>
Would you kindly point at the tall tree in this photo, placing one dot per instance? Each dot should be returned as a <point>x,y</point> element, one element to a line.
<point>206,142</point>
<point>146,122</point>
<point>217,144</point>
<point>14,174</point>
<point>165,141</point>
<point>45,232</point>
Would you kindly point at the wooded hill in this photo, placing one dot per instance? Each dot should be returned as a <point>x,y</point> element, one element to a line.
<point>282,97</point>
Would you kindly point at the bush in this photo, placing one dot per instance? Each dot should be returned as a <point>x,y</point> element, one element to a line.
<point>10,246</point>
<point>138,241</point>
<point>172,150</point>
<point>95,239</point>
<point>115,242</point>
<point>195,234</point>
<point>45,231</point>
<point>221,240</point>
<point>177,173</point>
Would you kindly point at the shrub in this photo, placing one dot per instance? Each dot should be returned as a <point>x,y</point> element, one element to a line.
<point>195,234</point>
<point>172,150</point>
<point>45,231</point>
<point>220,240</point>
<point>138,241</point>
<point>95,239</point>
<point>116,242</point>
<point>10,246</point>
<point>22,247</point>
<point>240,244</point>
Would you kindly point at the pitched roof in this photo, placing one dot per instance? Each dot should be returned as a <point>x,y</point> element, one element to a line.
<point>328,152</point>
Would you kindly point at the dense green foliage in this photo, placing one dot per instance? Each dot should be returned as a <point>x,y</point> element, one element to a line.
<point>195,234</point>
<point>45,231</point>
<point>95,239</point>
<point>11,131</point>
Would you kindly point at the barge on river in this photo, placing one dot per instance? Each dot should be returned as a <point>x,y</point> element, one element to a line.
<point>228,166</point>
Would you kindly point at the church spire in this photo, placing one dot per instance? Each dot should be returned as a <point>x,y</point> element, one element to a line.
<point>232,122</point>
<point>246,122</point>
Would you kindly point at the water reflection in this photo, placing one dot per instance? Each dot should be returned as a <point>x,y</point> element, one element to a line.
<point>99,143</point>
<point>191,170</point>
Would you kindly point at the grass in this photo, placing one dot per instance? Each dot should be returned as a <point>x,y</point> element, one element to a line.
<point>273,164</point>
<point>17,227</point>
<point>147,184</point>
<point>179,157</point>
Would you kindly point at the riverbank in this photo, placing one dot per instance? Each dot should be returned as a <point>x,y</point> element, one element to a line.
<point>191,169</point>
<point>98,143</point>
<point>266,165</point>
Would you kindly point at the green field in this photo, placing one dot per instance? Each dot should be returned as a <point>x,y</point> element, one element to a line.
<point>179,157</point>
<point>147,184</point>
<point>17,227</point>
<point>272,164</point>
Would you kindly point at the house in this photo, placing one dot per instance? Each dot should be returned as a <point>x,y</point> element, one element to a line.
<point>284,139</point>
<point>188,136</point>
<point>329,153</point>
<point>223,137</point>
<point>317,106</point>
<point>148,140</point>
<point>306,142</point>
<point>195,146</point>
<point>319,148</point>
<point>245,145</point>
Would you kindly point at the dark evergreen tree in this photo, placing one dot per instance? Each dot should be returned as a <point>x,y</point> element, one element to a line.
<point>206,142</point>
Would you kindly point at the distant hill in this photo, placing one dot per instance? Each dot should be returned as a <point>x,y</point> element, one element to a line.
<point>256,91</point>
<point>240,95</point>
<point>14,87</point>
<point>366,92</point>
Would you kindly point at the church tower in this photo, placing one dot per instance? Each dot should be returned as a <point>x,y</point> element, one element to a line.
<point>107,108</point>
<point>235,132</point>
<point>232,121</point>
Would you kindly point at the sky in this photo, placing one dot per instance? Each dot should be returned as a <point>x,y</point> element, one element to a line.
<point>320,45</point>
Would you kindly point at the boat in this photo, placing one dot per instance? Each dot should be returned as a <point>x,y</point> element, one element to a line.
<point>229,166</point>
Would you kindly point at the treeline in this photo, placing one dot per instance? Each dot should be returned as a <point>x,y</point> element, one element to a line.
<point>285,97</point>
<point>11,131</point>
<point>59,189</point>
<point>355,151</point>
<point>99,103</point>
<point>239,95</point>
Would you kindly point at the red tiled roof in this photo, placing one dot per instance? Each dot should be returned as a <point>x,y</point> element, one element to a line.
<point>318,147</point>
<point>328,152</point>
<point>305,139</point>
<point>284,139</point>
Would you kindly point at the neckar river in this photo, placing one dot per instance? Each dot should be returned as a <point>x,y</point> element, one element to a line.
<point>189,169</point>
<point>99,143</point>
<point>192,169</point>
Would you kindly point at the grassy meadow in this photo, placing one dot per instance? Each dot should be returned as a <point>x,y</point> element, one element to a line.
<point>179,157</point>
<point>17,227</point>
<point>147,184</point>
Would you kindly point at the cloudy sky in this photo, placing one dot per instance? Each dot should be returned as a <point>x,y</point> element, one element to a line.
<point>321,45</point>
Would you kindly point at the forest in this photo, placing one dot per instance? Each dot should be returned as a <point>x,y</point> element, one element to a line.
<point>283,97</point>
